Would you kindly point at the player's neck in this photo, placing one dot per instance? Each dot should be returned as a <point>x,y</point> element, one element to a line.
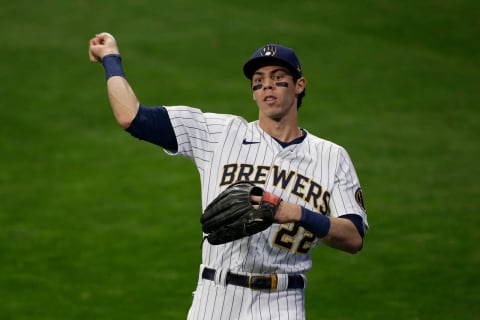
<point>283,130</point>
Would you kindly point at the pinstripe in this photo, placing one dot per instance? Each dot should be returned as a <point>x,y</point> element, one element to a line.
<point>216,142</point>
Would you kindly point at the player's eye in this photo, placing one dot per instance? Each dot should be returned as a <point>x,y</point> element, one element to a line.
<point>278,76</point>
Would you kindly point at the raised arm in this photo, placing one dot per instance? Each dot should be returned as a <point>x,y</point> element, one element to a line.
<point>103,48</point>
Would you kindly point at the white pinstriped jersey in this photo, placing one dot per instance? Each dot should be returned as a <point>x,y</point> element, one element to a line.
<point>315,173</point>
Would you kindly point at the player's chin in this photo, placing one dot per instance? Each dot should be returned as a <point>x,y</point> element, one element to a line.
<point>274,113</point>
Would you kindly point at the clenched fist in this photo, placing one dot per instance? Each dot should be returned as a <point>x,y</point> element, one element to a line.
<point>101,45</point>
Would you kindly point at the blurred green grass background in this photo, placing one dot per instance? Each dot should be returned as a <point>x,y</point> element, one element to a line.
<point>97,225</point>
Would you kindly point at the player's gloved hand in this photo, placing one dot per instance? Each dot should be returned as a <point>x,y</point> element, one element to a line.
<point>232,215</point>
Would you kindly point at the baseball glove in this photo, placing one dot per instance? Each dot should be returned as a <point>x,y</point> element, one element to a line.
<point>231,215</point>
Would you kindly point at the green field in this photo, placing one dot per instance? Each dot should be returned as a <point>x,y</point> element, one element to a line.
<point>97,225</point>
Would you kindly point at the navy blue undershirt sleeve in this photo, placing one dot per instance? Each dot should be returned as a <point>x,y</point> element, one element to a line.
<point>153,125</point>
<point>357,221</point>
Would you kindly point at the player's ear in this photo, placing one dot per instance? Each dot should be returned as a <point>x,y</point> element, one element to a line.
<point>300,85</point>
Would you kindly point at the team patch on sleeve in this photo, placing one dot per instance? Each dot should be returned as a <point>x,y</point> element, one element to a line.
<point>359,198</point>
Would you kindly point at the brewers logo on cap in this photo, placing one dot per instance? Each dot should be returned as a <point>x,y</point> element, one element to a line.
<point>268,51</point>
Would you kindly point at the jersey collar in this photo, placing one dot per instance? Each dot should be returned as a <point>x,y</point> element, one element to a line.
<point>294,141</point>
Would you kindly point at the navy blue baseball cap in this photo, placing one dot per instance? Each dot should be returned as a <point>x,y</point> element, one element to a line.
<point>273,54</point>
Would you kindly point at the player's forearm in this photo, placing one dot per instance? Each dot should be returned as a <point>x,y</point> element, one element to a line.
<point>337,233</point>
<point>123,100</point>
<point>122,97</point>
<point>343,235</point>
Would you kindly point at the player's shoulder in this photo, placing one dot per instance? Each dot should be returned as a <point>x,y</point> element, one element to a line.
<point>227,117</point>
<point>322,142</point>
<point>327,148</point>
<point>198,113</point>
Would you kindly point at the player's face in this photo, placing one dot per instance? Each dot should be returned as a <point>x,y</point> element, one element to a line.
<point>275,91</point>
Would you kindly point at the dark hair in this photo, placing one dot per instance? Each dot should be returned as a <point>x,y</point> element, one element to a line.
<point>300,98</point>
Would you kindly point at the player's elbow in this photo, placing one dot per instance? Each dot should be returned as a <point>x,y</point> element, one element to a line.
<point>352,244</point>
<point>355,245</point>
<point>124,123</point>
<point>125,119</point>
<point>355,249</point>
<point>125,114</point>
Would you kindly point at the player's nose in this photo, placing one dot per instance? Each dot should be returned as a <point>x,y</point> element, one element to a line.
<point>268,84</point>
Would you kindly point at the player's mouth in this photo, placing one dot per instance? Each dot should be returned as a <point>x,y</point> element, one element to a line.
<point>270,99</point>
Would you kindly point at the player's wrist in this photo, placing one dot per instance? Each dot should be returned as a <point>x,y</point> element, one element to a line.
<point>314,222</point>
<point>112,63</point>
<point>288,212</point>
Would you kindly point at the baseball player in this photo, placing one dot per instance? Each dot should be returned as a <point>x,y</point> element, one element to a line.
<point>317,193</point>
